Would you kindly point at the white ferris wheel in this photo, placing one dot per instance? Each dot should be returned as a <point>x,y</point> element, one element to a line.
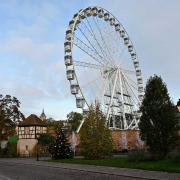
<point>102,65</point>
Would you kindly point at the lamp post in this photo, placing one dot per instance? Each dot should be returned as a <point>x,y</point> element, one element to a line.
<point>37,148</point>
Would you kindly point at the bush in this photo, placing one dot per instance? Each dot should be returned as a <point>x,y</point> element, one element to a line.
<point>3,152</point>
<point>124,151</point>
<point>174,155</point>
<point>139,155</point>
<point>11,149</point>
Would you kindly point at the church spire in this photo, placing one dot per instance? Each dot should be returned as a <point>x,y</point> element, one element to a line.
<point>43,115</point>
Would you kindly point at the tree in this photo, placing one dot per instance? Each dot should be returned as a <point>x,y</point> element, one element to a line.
<point>96,139</point>
<point>158,123</point>
<point>10,115</point>
<point>74,119</point>
<point>45,139</point>
<point>60,147</point>
<point>53,124</point>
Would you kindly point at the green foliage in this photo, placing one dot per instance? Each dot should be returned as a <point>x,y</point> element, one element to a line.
<point>45,139</point>
<point>158,123</point>
<point>51,123</point>
<point>60,147</point>
<point>96,138</point>
<point>11,149</point>
<point>13,139</point>
<point>74,119</point>
<point>9,115</point>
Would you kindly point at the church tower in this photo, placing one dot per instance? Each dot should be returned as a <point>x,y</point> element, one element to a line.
<point>43,116</point>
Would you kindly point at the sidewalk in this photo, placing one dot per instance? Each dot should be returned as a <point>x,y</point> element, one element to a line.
<point>141,174</point>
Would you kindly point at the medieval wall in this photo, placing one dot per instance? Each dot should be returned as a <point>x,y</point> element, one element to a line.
<point>122,140</point>
<point>26,147</point>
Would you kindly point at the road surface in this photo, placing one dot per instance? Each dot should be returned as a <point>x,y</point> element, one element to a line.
<point>14,171</point>
<point>30,169</point>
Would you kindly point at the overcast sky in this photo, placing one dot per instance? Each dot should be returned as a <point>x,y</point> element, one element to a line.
<point>32,36</point>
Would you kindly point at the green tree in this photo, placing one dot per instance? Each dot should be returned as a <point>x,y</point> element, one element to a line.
<point>74,119</point>
<point>60,147</point>
<point>10,115</point>
<point>96,139</point>
<point>45,139</point>
<point>158,123</point>
<point>53,124</point>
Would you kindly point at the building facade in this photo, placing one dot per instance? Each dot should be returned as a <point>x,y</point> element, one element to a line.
<point>28,132</point>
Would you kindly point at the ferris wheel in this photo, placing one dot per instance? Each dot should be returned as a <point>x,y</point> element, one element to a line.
<point>102,65</point>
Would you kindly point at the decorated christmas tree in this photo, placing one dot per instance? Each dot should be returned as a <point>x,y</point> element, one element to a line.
<point>60,148</point>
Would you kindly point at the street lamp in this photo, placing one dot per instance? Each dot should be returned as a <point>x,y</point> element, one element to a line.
<point>37,148</point>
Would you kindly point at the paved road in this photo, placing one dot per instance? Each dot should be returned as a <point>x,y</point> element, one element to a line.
<point>11,171</point>
<point>30,169</point>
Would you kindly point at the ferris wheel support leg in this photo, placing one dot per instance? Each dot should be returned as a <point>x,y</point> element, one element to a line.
<point>122,100</point>
<point>112,95</point>
<point>77,131</point>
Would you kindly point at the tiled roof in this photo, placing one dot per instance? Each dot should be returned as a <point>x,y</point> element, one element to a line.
<point>32,120</point>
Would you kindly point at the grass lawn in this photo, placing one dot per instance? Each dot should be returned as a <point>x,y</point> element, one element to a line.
<point>161,165</point>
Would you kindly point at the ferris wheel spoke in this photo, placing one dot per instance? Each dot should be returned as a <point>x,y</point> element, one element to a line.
<point>94,36</point>
<point>128,71</point>
<point>112,36</point>
<point>88,65</point>
<point>90,82</point>
<point>116,47</point>
<point>130,99</point>
<point>91,44</point>
<point>103,40</point>
<point>133,83</point>
<point>130,96</point>
<point>95,86</point>
<point>80,44</point>
<point>130,87</point>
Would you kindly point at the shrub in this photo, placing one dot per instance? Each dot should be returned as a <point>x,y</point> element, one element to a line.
<point>139,155</point>
<point>11,149</point>
<point>174,155</point>
<point>3,152</point>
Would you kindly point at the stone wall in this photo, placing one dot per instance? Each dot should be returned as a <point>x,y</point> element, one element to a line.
<point>122,140</point>
<point>126,140</point>
<point>26,147</point>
